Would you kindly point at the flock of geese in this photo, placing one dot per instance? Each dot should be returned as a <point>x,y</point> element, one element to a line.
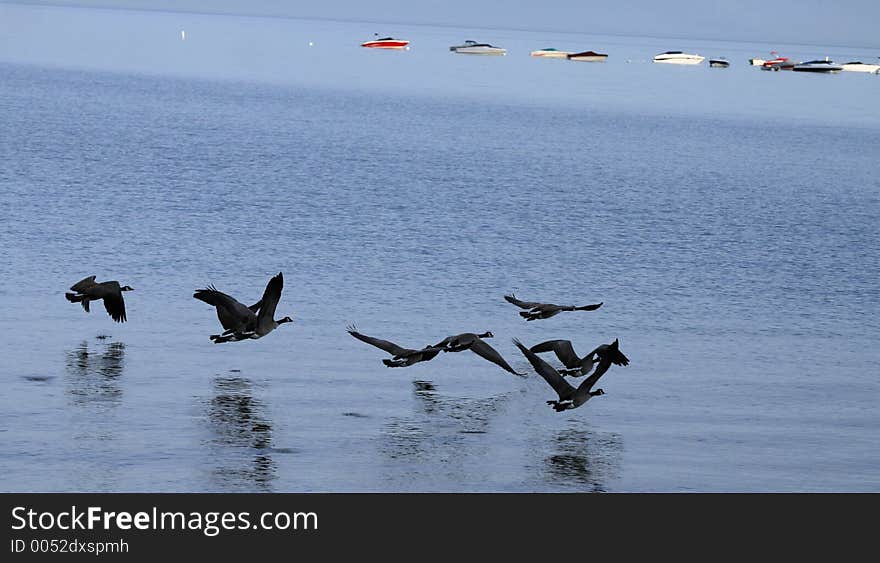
<point>242,322</point>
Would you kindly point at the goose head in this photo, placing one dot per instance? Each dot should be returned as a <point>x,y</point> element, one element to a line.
<point>597,392</point>
<point>486,334</point>
<point>284,320</point>
<point>126,288</point>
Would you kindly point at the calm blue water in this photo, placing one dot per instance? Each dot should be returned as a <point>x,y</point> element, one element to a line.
<point>728,219</point>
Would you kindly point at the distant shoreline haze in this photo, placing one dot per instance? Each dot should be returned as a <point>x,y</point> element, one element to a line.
<point>849,23</point>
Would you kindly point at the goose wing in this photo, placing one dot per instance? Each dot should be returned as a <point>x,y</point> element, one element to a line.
<point>112,296</point>
<point>389,347</point>
<point>443,343</point>
<point>608,354</point>
<point>521,304</point>
<point>612,352</point>
<point>562,387</point>
<point>480,348</point>
<point>83,284</point>
<point>592,307</point>
<point>563,350</point>
<point>232,314</point>
<point>269,302</point>
<point>588,383</point>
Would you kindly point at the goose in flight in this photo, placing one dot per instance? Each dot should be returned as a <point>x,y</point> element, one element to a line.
<point>475,343</point>
<point>110,292</point>
<point>563,349</point>
<point>535,310</point>
<point>243,326</point>
<point>401,357</point>
<point>233,316</point>
<point>604,355</point>
<point>569,396</point>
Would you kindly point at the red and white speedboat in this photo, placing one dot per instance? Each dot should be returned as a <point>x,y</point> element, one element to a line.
<point>778,63</point>
<point>386,43</point>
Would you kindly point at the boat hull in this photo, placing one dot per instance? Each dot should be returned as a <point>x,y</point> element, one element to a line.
<point>550,54</point>
<point>824,70</point>
<point>588,57</point>
<point>480,51</point>
<point>861,67</point>
<point>395,44</point>
<point>682,59</point>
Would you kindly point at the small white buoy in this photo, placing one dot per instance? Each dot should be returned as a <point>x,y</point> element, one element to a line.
<point>182,35</point>
<point>311,44</point>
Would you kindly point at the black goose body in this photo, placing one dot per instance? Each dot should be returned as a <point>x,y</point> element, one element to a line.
<point>233,316</point>
<point>570,397</point>
<point>401,357</point>
<point>535,310</point>
<point>475,343</point>
<point>87,290</point>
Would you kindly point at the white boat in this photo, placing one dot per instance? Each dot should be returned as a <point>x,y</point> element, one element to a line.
<point>858,66</point>
<point>473,48</point>
<point>678,58</point>
<point>550,53</point>
<point>824,66</point>
<point>757,62</point>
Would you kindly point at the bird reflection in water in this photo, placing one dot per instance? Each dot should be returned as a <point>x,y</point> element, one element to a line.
<point>584,459</point>
<point>242,436</point>
<point>440,427</point>
<point>94,373</point>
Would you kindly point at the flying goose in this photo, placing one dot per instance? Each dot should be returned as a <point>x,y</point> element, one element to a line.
<point>242,326</point>
<point>110,292</point>
<point>535,310</point>
<point>234,316</point>
<point>563,349</point>
<point>402,357</point>
<point>569,396</point>
<point>474,343</point>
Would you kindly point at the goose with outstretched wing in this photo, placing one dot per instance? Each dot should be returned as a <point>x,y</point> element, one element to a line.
<point>110,292</point>
<point>570,397</point>
<point>401,357</point>
<point>475,343</point>
<point>535,310</point>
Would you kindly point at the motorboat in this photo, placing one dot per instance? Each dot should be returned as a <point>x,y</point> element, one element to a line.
<point>473,48</point>
<point>588,56</point>
<point>550,53</point>
<point>824,66</point>
<point>858,66</point>
<point>778,63</point>
<point>386,43</point>
<point>678,58</point>
<point>756,61</point>
<point>718,63</point>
